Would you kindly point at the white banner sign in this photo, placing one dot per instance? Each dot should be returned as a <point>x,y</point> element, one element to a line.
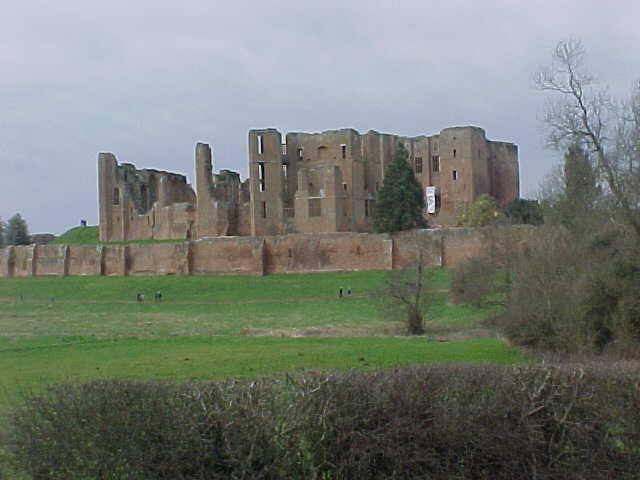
<point>431,199</point>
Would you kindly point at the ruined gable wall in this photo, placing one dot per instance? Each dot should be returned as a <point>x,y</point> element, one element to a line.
<point>175,221</point>
<point>129,200</point>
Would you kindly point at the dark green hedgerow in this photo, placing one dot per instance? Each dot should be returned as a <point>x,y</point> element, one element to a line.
<point>436,422</point>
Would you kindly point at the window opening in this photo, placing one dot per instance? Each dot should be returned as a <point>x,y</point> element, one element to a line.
<point>116,196</point>
<point>261,176</point>
<point>435,163</point>
<point>455,175</point>
<point>418,164</point>
<point>264,209</point>
<point>343,149</point>
<point>315,207</point>
<point>285,175</point>
<point>260,145</point>
<point>454,153</point>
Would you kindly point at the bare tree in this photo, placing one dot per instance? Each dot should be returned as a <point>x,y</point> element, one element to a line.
<point>403,294</point>
<point>587,115</point>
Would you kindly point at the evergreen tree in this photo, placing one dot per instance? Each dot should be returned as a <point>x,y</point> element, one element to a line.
<point>400,201</point>
<point>17,231</point>
<point>523,211</point>
<point>581,190</point>
<point>2,230</point>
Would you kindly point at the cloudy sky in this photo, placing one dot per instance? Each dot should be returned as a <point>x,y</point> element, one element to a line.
<point>146,79</point>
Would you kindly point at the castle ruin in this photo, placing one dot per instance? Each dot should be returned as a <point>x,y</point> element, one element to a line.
<point>310,183</point>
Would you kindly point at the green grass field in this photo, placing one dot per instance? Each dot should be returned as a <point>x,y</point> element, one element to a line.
<point>209,327</point>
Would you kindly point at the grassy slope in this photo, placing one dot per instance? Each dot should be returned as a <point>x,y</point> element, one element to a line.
<point>54,329</point>
<point>89,236</point>
<point>78,236</point>
<point>212,305</point>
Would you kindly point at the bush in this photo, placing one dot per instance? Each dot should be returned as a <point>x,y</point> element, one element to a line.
<point>522,211</point>
<point>483,211</point>
<point>437,422</point>
<point>555,300</point>
<point>472,281</point>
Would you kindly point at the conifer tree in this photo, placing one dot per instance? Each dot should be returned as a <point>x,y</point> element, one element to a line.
<point>400,201</point>
<point>581,191</point>
<point>17,231</point>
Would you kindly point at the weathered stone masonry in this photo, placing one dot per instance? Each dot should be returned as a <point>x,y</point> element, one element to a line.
<point>310,183</point>
<point>296,253</point>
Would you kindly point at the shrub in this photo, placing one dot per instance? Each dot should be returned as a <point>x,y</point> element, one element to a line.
<point>472,281</point>
<point>439,422</point>
<point>481,212</point>
<point>523,211</point>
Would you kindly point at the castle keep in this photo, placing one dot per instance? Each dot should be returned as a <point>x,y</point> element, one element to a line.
<point>310,183</point>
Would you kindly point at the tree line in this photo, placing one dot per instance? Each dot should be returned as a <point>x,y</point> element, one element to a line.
<point>574,284</point>
<point>14,232</point>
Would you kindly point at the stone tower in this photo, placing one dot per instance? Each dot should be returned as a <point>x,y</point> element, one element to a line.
<point>266,182</point>
<point>109,198</point>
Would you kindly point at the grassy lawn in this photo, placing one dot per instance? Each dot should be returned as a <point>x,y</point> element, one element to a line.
<point>212,327</point>
<point>105,307</point>
<point>80,328</point>
<point>28,363</point>
<point>78,236</point>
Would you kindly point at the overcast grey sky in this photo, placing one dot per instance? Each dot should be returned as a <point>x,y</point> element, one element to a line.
<point>146,79</point>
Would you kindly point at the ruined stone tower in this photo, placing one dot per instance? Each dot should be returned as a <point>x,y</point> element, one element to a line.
<point>311,183</point>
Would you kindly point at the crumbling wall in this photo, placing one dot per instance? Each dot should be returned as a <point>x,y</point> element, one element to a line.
<point>407,245</point>
<point>327,252</point>
<point>159,259</point>
<point>228,255</point>
<point>460,244</point>
<point>85,260</point>
<point>51,260</point>
<point>264,255</point>
<point>23,260</point>
<point>114,259</point>
<point>5,257</point>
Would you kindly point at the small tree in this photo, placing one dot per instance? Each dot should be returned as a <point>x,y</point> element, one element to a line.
<point>403,295</point>
<point>400,201</point>
<point>2,232</point>
<point>482,212</point>
<point>17,231</point>
<point>522,211</point>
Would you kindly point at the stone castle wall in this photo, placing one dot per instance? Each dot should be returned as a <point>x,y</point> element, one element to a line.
<point>295,253</point>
